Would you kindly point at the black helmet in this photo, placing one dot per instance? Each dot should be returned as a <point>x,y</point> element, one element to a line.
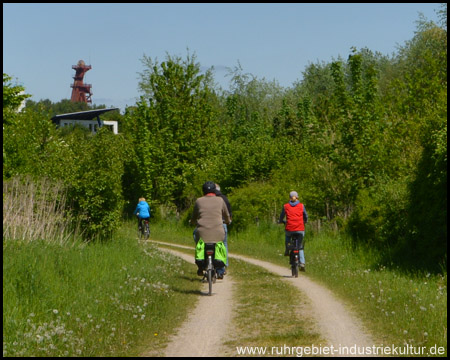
<point>209,187</point>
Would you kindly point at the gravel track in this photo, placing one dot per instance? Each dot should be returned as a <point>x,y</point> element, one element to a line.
<point>198,336</point>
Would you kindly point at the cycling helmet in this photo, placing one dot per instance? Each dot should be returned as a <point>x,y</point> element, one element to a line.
<point>209,187</point>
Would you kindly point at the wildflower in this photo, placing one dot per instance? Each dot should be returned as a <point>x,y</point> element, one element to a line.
<point>405,332</point>
<point>425,334</point>
<point>423,308</point>
<point>55,311</point>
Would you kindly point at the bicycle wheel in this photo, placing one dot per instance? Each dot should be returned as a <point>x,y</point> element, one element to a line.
<point>146,232</point>
<point>210,280</point>
<point>295,269</point>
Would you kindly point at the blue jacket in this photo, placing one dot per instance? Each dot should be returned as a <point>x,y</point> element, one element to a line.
<point>143,209</point>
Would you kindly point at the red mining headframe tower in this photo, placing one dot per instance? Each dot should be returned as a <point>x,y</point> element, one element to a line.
<point>81,92</point>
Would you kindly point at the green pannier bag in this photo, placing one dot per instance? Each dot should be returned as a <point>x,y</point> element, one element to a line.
<point>200,251</point>
<point>220,254</point>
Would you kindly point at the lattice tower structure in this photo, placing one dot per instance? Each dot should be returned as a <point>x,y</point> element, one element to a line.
<point>81,92</point>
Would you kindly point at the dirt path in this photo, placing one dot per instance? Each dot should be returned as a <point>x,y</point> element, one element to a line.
<point>335,322</point>
<point>198,336</point>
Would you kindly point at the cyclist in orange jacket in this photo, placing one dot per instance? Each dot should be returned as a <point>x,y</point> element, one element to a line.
<point>296,218</point>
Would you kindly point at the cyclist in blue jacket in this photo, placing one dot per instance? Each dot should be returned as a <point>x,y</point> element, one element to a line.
<point>142,211</point>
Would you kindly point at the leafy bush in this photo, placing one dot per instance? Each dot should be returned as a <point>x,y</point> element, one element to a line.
<point>379,217</point>
<point>96,188</point>
<point>254,203</point>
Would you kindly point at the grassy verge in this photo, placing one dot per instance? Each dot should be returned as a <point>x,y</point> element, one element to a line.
<point>102,299</point>
<point>398,308</point>
<point>401,308</point>
<point>265,315</point>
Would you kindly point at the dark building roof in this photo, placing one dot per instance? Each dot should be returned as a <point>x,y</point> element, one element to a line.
<point>82,115</point>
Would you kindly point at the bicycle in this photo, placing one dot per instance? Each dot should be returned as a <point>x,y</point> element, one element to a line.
<point>210,271</point>
<point>144,230</point>
<point>294,246</point>
<point>209,264</point>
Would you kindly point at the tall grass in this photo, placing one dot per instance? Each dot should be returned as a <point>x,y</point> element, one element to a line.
<point>35,209</point>
<point>402,308</point>
<point>118,298</point>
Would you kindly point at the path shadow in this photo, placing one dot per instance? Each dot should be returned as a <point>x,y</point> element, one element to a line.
<point>188,292</point>
<point>190,280</point>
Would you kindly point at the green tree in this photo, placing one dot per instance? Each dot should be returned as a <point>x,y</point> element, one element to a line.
<point>173,127</point>
<point>13,96</point>
<point>94,179</point>
<point>406,211</point>
<point>426,81</point>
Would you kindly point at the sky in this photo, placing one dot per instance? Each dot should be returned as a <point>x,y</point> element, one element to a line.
<point>274,42</point>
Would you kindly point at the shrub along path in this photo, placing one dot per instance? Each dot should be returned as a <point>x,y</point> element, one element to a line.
<point>336,322</point>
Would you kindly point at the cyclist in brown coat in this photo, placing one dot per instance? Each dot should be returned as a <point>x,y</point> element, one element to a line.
<point>210,212</point>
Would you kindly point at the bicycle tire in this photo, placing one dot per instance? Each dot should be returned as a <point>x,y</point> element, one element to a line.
<point>295,270</point>
<point>210,282</point>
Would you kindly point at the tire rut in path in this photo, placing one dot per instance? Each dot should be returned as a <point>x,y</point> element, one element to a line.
<point>337,324</point>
